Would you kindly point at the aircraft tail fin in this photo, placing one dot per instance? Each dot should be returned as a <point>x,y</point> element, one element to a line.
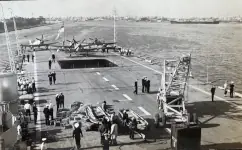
<point>30,42</point>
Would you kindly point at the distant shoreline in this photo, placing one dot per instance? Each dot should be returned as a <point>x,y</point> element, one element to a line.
<point>27,27</point>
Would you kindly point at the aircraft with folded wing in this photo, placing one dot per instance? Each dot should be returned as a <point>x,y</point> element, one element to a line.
<point>37,43</point>
<point>98,42</point>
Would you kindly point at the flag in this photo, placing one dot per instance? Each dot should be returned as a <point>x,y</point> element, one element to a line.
<point>61,30</point>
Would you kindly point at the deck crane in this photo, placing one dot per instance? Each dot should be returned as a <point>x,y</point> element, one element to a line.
<point>184,128</point>
<point>173,85</point>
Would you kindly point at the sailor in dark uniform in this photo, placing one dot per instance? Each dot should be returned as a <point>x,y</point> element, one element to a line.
<point>77,133</point>
<point>54,76</point>
<point>136,87</point>
<point>50,63</point>
<point>50,78</point>
<point>143,84</point>
<point>148,86</point>
<point>53,57</point>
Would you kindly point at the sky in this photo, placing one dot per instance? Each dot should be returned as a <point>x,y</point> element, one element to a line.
<point>166,8</point>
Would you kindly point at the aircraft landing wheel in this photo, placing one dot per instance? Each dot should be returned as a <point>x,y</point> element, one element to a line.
<point>157,120</point>
<point>163,118</point>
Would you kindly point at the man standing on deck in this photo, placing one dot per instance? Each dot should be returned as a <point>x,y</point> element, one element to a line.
<point>57,101</point>
<point>62,100</point>
<point>50,78</point>
<point>104,106</point>
<point>53,57</point>
<point>28,57</point>
<point>23,57</point>
<point>54,76</point>
<point>50,63</point>
<point>143,84</point>
<point>213,92</point>
<point>33,85</point>
<point>27,110</point>
<point>35,111</point>
<point>47,115</point>
<point>148,86</point>
<point>32,57</point>
<point>136,87</point>
<point>231,89</point>
<point>51,110</point>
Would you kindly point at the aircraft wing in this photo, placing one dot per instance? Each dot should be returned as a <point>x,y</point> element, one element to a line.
<point>61,46</point>
<point>37,45</point>
<point>109,43</point>
<point>47,44</point>
<point>87,49</point>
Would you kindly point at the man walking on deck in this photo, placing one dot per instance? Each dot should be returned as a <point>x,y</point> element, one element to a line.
<point>213,92</point>
<point>77,134</point>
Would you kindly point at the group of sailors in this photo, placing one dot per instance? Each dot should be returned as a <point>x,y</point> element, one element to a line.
<point>48,113</point>
<point>108,131</point>
<point>227,88</point>
<point>109,127</point>
<point>131,124</point>
<point>52,77</point>
<point>28,57</point>
<point>145,85</point>
<point>128,52</point>
<point>26,84</point>
<point>49,110</point>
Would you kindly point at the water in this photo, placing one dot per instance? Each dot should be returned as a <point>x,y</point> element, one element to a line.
<point>215,46</point>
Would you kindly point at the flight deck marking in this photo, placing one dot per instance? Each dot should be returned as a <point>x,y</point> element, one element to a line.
<point>126,96</point>
<point>144,111</point>
<point>116,88</point>
<point>98,73</point>
<point>105,79</point>
<point>36,95</point>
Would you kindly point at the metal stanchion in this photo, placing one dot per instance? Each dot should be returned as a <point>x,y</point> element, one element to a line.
<point>2,145</point>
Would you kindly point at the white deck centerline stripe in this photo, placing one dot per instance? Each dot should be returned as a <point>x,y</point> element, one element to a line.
<point>98,73</point>
<point>36,95</point>
<point>201,90</point>
<point>124,100</point>
<point>105,79</point>
<point>126,96</point>
<point>144,111</point>
<point>116,88</point>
